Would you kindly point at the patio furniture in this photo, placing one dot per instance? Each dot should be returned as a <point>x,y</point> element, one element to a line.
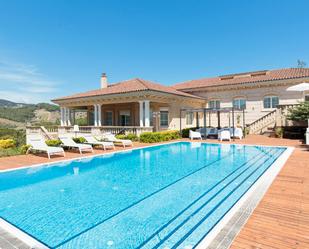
<point>93,141</point>
<point>194,134</point>
<point>68,142</point>
<point>204,131</point>
<point>237,133</point>
<point>212,131</point>
<point>111,138</point>
<point>37,143</point>
<point>224,135</point>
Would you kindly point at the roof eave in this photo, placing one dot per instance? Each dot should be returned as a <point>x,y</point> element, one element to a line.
<point>185,95</point>
<point>240,83</point>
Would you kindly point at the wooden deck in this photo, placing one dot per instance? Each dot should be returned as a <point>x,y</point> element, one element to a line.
<point>281,220</point>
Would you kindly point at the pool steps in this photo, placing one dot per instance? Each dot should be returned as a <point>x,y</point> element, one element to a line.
<point>191,220</point>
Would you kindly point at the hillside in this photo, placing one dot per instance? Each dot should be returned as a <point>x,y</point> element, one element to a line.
<point>19,115</point>
<point>7,103</point>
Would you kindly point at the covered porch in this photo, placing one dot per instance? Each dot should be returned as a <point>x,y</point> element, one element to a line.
<point>130,117</point>
<point>132,106</point>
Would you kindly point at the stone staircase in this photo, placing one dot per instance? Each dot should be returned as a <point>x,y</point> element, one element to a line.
<point>265,125</point>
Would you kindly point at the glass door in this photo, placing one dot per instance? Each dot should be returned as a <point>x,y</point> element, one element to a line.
<point>125,118</point>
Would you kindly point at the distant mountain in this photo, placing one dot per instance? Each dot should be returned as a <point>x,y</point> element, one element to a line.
<point>7,103</point>
<point>27,113</point>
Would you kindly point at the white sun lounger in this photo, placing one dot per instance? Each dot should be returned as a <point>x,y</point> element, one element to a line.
<point>111,138</point>
<point>91,140</point>
<point>68,142</point>
<point>194,134</point>
<point>37,143</point>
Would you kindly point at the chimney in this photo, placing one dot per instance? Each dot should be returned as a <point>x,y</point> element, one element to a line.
<point>103,80</point>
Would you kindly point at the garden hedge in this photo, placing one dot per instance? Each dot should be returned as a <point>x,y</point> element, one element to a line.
<point>155,137</point>
<point>129,136</point>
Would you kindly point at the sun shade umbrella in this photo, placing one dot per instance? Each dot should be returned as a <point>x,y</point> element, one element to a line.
<point>299,87</point>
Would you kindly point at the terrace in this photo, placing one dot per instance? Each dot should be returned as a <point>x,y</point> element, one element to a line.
<point>280,219</point>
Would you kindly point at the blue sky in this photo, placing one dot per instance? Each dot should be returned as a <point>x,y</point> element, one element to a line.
<point>52,48</point>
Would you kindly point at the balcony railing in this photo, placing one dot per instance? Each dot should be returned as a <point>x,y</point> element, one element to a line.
<point>106,129</point>
<point>53,131</point>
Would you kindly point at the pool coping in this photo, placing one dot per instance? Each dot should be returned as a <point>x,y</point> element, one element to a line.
<point>126,150</point>
<point>273,170</point>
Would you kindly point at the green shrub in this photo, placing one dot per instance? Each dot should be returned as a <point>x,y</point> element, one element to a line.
<point>7,143</point>
<point>150,137</point>
<point>24,148</point>
<point>19,136</point>
<point>5,137</point>
<point>9,152</point>
<point>300,112</point>
<point>79,140</point>
<point>129,136</point>
<point>185,132</point>
<point>155,137</point>
<point>53,142</point>
<point>279,132</point>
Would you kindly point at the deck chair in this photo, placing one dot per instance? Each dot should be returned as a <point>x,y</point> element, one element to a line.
<point>68,142</point>
<point>37,143</point>
<point>111,138</point>
<point>93,141</point>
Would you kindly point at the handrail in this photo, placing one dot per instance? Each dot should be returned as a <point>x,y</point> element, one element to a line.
<point>263,117</point>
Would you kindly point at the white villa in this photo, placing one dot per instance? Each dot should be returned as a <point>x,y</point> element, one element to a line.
<point>139,105</point>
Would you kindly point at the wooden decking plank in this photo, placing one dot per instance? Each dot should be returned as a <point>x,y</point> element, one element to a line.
<point>281,219</point>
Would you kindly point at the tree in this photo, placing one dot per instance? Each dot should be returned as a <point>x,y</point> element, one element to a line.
<point>300,112</point>
<point>301,64</point>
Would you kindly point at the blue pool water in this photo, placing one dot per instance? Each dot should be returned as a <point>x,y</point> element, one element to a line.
<point>167,196</point>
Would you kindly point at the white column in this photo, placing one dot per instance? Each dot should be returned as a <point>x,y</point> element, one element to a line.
<point>65,116</point>
<point>95,116</point>
<point>99,115</point>
<point>147,112</point>
<point>141,113</point>
<point>68,116</point>
<point>61,116</point>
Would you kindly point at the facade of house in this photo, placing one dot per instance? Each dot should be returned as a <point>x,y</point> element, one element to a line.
<point>146,105</point>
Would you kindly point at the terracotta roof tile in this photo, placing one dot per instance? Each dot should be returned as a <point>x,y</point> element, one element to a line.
<point>133,85</point>
<point>250,77</point>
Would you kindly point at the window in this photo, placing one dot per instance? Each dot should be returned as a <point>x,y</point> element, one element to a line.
<point>125,118</point>
<point>271,102</point>
<point>306,97</point>
<point>109,118</point>
<point>239,104</point>
<point>214,104</point>
<point>189,118</point>
<point>164,118</point>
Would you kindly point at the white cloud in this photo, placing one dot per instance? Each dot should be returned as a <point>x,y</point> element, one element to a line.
<point>20,97</point>
<point>24,83</point>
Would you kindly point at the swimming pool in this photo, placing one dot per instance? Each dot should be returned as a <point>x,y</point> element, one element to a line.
<point>167,196</point>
